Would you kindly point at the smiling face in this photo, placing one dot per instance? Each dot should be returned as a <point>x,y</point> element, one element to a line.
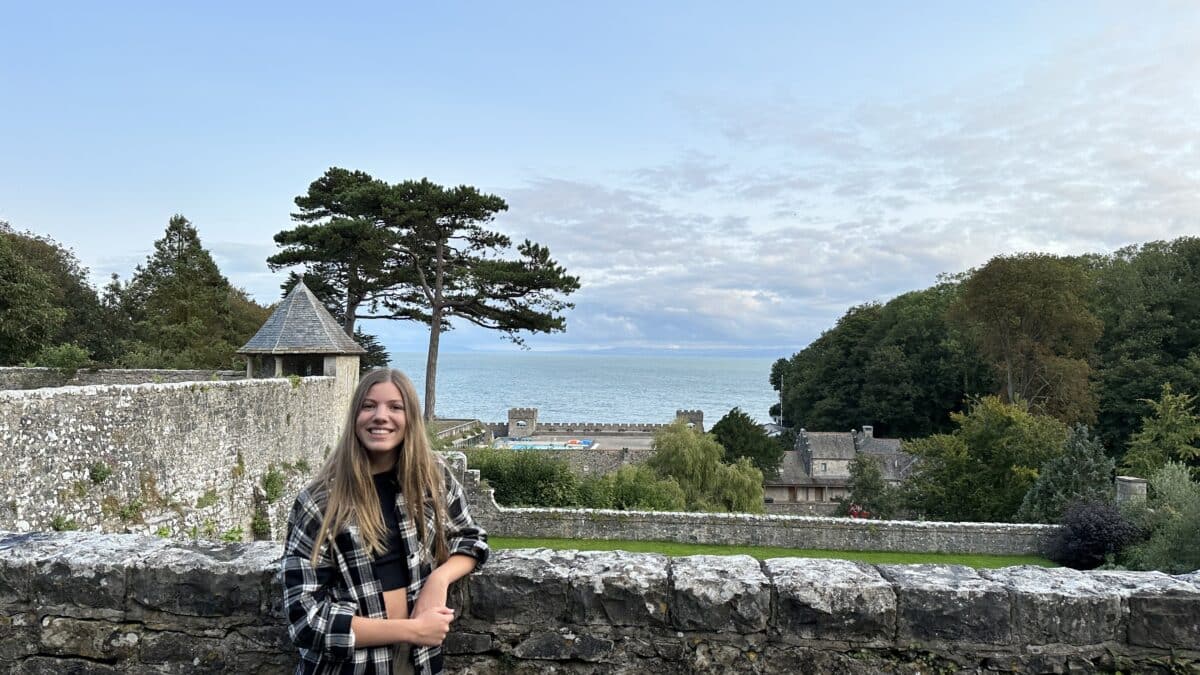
<point>380,424</point>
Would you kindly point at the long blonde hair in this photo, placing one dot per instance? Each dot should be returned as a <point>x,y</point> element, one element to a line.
<point>345,483</point>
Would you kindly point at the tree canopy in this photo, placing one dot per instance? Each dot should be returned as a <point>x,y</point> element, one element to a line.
<point>1168,434</point>
<point>419,251</point>
<point>693,460</point>
<point>182,311</point>
<point>1082,473</point>
<point>982,470</point>
<point>741,436</point>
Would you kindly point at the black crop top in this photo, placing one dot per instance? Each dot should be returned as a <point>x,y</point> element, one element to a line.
<point>391,567</point>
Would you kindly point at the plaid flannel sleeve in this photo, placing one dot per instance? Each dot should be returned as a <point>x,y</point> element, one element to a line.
<point>463,533</point>
<point>317,610</point>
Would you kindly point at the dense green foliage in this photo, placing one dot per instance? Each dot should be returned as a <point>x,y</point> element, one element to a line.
<point>1086,339</point>
<point>29,315</point>
<point>182,311</point>
<point>982,470</point>
<point>1092,534</point>
<point>633,488</point>
<point>686,472</point>
<point>526,478</point>
<point>177,311</point>
<point>419,251</point>
<point>741,436</point>
<point>1170,517</point>
<point>981,561</point>
<point>1168,434</point>
<point>1081,473</point>
<point>868,490</point>
<point>902,367</point>
<point>694,460</point>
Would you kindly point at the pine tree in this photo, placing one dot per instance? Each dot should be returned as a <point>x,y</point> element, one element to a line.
<point>741,436</point>
<point>1082,473</point>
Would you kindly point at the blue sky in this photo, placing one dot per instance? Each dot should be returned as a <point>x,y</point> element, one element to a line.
<point>722,178</point>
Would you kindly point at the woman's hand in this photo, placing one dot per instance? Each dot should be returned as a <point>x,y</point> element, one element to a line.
<point>429,628</point>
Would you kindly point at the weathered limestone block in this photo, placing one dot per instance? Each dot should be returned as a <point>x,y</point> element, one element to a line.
<point>719,593</point>
<point>20,555</point>
<point>1059,605</point>
<point>458,642</point>
<point>85,576</point>
<point>619,588</point>
<point>524,586</point>
<point>49,665</point>
<point>18,636</point>
<point>97,640</point>
<point>563,645</point>
<point>206,579</point>
<point>949,603</point>
<point>832,600</point>
<point>1163,611</point>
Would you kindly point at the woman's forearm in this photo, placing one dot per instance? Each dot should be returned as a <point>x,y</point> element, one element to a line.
<point>456,567</point>
<point>377,632</point>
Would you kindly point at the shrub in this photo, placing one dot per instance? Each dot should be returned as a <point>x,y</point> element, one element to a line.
<point>272,482</point>
<point>638,488</point>
<point>67,357</point>
<point>1171,516</point>
<point>1092,533</point>
<point>526,478</point>
<point>207,499</point>
<point>63,524</point>
<point>99,472</point>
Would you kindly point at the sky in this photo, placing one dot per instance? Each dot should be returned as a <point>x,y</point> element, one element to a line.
<point>723,178</point>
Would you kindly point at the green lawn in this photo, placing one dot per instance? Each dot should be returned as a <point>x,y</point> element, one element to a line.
<point>763,552</point>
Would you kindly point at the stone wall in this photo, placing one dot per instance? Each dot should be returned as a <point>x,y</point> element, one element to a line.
<point>89,603</point>
<point>36,378</point>
<point>190,459</point>
<point>744,529</point>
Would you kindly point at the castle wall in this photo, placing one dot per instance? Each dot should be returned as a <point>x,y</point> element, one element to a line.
<point>36,378</point>
<point>193,459</point>
<point>90,603</point>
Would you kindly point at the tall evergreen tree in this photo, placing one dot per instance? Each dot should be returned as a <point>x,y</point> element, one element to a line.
<point>741,436</point>
<point>421,251</point>
<point>1168,434</point>
<point>185,314</point>
<point>1083,472</point>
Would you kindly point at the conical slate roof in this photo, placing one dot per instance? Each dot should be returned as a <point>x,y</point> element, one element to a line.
<point>300,325</point>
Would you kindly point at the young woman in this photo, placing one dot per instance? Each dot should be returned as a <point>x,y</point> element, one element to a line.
<point>375,541</point>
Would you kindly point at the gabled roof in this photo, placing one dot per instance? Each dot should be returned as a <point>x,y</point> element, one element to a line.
<point>830,444</point>
<point>300,325</point>
<point>791,470</point>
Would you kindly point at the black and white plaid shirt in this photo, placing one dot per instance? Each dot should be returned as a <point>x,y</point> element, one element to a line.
<point>319,601</point>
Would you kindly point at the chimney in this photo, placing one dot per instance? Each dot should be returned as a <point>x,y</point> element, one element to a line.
<point>868,431</point>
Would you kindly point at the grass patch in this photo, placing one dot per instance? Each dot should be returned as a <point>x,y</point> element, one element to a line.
<point>764,552</point>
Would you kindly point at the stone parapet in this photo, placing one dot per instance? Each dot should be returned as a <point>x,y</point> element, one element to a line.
<point>744,529</point>
<point>94,603</point>
<point>37,378</point>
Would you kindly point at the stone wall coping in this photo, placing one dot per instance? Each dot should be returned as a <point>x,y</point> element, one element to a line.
<point>138,604</point>
<point>96,389</point>
<point>859,523</point>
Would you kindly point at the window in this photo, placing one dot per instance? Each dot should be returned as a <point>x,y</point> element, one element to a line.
<point>824,467</point>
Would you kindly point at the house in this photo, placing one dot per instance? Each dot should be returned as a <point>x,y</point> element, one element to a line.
<point>814,475</point>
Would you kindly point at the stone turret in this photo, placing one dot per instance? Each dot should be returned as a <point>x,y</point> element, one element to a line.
<point>301,338</point>
<point>694,418</point>
<point>522,422</point>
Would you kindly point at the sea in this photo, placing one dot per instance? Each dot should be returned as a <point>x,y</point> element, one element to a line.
<point>593,387</point>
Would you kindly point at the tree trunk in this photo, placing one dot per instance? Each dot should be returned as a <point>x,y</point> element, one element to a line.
<point>435,335</point>
<point>348,322</point>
